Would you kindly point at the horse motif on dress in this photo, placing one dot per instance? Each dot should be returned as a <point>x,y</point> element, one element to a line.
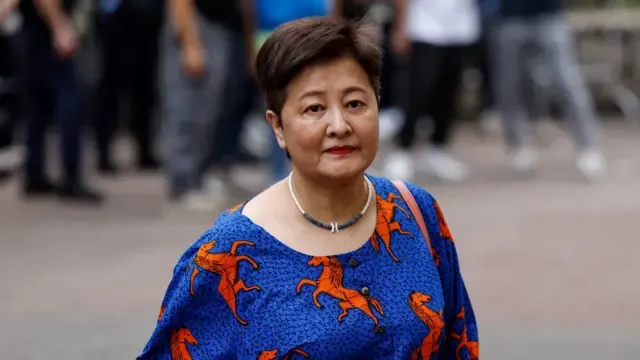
<point>179,340</point>
<point>330,282</point>
<point>224,264</point>
<point>386,223</point>
<point>431,343</point>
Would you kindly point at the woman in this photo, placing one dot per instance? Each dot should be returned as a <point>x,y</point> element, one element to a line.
<point>269,15</point>
<point>328,263</point>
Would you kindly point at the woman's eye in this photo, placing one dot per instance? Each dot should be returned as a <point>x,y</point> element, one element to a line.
<point>355,104</point>
<point>314,109</point>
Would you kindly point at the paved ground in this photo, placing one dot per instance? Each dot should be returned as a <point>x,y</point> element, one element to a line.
<point>550,262</point>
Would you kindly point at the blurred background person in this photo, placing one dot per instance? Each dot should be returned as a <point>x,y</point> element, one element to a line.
<point>435,37</point>
<point>55,95</point>
<point>10,95</point>
<point>240,93</point>
<point>542,23</point>
<point>128,32</point>
<point>195,53</point>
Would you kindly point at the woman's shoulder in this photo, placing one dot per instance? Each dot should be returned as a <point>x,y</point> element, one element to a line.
<point>384,185</point>
<point>230,227</point>
<point>426,202</point>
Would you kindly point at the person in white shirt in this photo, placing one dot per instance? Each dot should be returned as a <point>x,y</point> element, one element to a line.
<point>434,36</point>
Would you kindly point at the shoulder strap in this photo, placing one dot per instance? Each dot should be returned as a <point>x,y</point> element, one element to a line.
<point>414,208</point>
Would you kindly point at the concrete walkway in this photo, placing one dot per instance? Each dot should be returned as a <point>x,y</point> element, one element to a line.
<point>550,263</point>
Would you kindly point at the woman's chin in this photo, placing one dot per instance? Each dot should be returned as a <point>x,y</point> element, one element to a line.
<point>343,170</point>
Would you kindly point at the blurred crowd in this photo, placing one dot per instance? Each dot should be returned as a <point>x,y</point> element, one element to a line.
<point>179,74</point>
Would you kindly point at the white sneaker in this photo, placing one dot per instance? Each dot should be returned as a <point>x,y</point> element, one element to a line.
<point>592,164</point>
<point>214,187</point>
<point>211,197</point>
<point>491,123</point>
<point>399,166</point>
<point>198,201</point>
<point>524,160</point>
<point>442,165</point>
<point>11,158</point>
<point>390,123</point>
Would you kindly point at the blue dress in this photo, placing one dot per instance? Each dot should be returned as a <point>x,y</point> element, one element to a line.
<point>239,293</point>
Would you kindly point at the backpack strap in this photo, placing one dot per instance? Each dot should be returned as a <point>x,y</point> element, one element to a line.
<point>408,198</point>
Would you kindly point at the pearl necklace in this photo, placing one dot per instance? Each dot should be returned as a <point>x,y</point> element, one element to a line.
<point>333,226</point>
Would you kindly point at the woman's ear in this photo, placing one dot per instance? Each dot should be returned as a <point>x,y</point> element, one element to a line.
<point>276,125</point>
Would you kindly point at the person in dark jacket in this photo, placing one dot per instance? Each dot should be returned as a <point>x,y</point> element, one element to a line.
<point>55,95</point>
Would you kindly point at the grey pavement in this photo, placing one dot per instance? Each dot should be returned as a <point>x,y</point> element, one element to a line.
<point>550,263</point>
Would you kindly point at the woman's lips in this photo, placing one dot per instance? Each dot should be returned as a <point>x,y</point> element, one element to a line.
<point>341,150</point>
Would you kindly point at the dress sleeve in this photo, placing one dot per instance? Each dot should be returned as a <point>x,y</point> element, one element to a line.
<point>190,315</point>
<point>461,341</point>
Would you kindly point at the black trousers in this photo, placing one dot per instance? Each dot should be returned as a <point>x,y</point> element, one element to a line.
<point>434,79</point>
<point>55,96</point>
<point>129,41</point>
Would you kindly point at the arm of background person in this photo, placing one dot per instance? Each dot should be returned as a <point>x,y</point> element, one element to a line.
<point>6,8</point>
<point>400,43</point>
<point>338,8</point>
<point>400,13</point>
<point>249,28</point>
<point>182,17</point>
<point>53,14</point>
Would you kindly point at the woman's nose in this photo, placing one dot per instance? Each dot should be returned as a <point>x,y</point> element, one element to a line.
<point>338,124</point>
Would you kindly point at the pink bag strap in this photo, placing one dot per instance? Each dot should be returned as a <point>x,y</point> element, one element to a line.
<point>414,208</point>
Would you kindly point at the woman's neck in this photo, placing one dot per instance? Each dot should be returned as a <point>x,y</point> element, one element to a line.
<point>338,202</point>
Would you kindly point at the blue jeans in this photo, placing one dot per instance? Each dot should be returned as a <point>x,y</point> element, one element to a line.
<point>278,163</point>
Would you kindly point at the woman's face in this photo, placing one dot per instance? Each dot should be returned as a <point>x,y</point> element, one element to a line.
<point>329,120</point>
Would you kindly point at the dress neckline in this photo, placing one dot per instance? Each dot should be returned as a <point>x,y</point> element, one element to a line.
<point>287,249</point>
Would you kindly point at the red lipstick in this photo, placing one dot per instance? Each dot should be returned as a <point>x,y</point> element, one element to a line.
<point>341,150</point>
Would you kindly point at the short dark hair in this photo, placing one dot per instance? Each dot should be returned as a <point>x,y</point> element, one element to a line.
<point>295,45</point>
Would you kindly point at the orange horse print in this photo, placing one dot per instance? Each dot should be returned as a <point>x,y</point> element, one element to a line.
<point>179,340</point>
<point>225,264</point>
<point>445,233</point>
<point>273,354</point>
<point>473,347</point>
<point>431,343</point>
<point>386,224</point>
<point>330,282</point>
